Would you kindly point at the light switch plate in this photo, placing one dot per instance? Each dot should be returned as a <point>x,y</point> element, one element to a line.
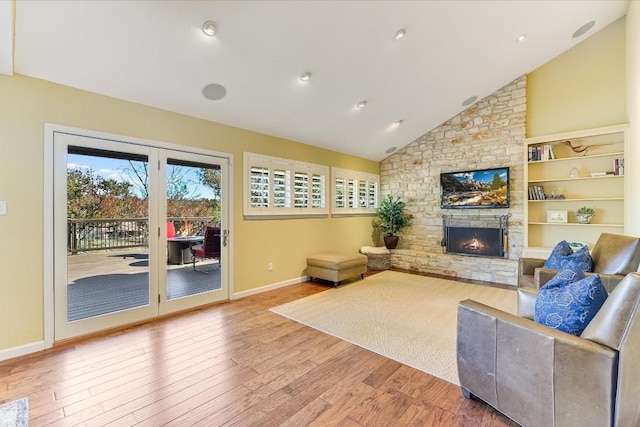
<point>3,207</point>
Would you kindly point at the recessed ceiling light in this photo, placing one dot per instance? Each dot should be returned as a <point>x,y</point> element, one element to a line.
<point>469,101</point>
<point>390,150</point>
<point>398,122</point>
<point>305,76</point>
<point>362,104</point>
<point>586,27</point>
<point>521,37</point>
<point>210,28</point>
<point>214,92</point>
<point>400,34</point>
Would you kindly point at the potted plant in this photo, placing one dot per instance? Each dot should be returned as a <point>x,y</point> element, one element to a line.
<point>584,215</point>
<point>392,219</point>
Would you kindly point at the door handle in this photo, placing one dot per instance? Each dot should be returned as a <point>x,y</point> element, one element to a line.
<point>225,237</point>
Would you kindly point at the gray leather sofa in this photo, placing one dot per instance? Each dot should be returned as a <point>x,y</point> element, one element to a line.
<point>541,377</point>
<point>614,256</point>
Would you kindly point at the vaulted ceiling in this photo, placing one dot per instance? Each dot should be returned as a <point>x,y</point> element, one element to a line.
<point>156,53</point>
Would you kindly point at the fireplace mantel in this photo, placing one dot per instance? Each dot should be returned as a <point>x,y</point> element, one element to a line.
<point>476,235</point>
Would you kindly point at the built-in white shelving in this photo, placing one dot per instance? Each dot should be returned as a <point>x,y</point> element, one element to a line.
<point>566,184</point>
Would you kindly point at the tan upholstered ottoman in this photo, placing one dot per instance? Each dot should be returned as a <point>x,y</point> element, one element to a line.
<point>336,267</point>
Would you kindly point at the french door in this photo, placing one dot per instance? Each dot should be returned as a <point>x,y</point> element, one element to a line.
<point>127,217</point>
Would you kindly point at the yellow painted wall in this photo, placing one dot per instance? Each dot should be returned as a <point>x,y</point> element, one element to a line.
<point>582,88</point>
<point>27,103</point>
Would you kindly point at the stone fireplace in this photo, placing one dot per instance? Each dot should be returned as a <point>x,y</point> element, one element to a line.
<point>486,135</point>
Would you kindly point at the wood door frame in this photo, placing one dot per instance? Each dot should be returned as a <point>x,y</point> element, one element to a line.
<point>49,203</point>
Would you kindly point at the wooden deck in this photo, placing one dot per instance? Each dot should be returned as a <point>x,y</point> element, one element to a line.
<point>120,261</point>
<point>233,364</point>
<point>110,281</point>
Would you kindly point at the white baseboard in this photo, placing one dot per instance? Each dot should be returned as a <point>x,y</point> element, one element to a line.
<point>22,350</point>
<point>271,287</point>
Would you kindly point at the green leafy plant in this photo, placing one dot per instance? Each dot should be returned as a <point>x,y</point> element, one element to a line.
<point>585,211</point>
<point>392,216</point>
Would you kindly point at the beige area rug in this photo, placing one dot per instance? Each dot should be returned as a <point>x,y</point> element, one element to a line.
<point>406,317</point>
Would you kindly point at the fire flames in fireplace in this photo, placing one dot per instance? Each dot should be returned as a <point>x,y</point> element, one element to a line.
<point>474,244</point>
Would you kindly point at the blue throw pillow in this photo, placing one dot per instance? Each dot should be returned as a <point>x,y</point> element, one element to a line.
<point>561,250</point>
<point>568,274</point>
<point>560,258</point>
<point>570,300</point>
<point>580,258</point>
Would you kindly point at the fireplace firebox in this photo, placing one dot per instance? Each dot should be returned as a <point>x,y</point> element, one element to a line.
<point>482,236</point>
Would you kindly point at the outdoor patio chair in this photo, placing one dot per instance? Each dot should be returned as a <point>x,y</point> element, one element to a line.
<point>210,247</point>
<point>171,230</point>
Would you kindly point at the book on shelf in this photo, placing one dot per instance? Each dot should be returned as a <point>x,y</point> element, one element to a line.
<point>551,155</point>
<point>541,153</point>
<point>618,166</point>
<point>536,192</point>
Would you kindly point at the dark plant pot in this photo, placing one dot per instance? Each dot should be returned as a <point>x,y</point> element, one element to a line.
<point>391,241</point>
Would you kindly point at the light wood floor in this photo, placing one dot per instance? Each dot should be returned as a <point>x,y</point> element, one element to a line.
<point>234,364</point>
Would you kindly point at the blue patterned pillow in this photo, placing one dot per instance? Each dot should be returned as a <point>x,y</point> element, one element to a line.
<point>569,300</point>
<point>580,258</point>
<point>568,274</point>
<point>561,250</point>
<point>562,256</point>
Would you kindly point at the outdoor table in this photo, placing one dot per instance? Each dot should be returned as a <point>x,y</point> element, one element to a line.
<point>178,248</point>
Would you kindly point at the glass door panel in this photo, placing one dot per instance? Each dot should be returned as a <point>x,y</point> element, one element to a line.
<point>108,240</point>
<point>194,224</point>
<point>104,278</point>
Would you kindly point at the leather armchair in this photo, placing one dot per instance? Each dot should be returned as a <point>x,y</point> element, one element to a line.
<point>539,376</point>
<point>614,256</point>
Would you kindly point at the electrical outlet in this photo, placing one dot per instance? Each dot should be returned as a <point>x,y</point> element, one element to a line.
<point>270,266</point>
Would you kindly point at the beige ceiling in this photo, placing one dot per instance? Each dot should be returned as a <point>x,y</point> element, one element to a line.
<point>154,53</point>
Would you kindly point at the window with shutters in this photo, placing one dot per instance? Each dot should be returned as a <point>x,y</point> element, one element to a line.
<point>354,192</point>
<point>259,187</point>
<point>275,186</point>
<point>317,191</point>
<point>301,190</point>
<point>351,193</point>
<point>281,191</point>
<point>339,193</point>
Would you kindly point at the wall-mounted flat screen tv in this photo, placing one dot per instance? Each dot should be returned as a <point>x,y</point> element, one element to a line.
<point>475,189</point>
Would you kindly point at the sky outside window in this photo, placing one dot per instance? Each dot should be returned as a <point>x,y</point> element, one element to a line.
<point>116,169</point>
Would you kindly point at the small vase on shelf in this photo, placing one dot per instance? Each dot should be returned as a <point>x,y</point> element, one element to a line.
<point>584,219</point>
<point>574,173</point>
<point>584,215</point>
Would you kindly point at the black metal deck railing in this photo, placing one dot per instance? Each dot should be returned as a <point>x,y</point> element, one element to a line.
<point>114,233</point>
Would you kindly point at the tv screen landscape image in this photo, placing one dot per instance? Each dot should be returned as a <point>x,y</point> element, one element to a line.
<point>486,188</point>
